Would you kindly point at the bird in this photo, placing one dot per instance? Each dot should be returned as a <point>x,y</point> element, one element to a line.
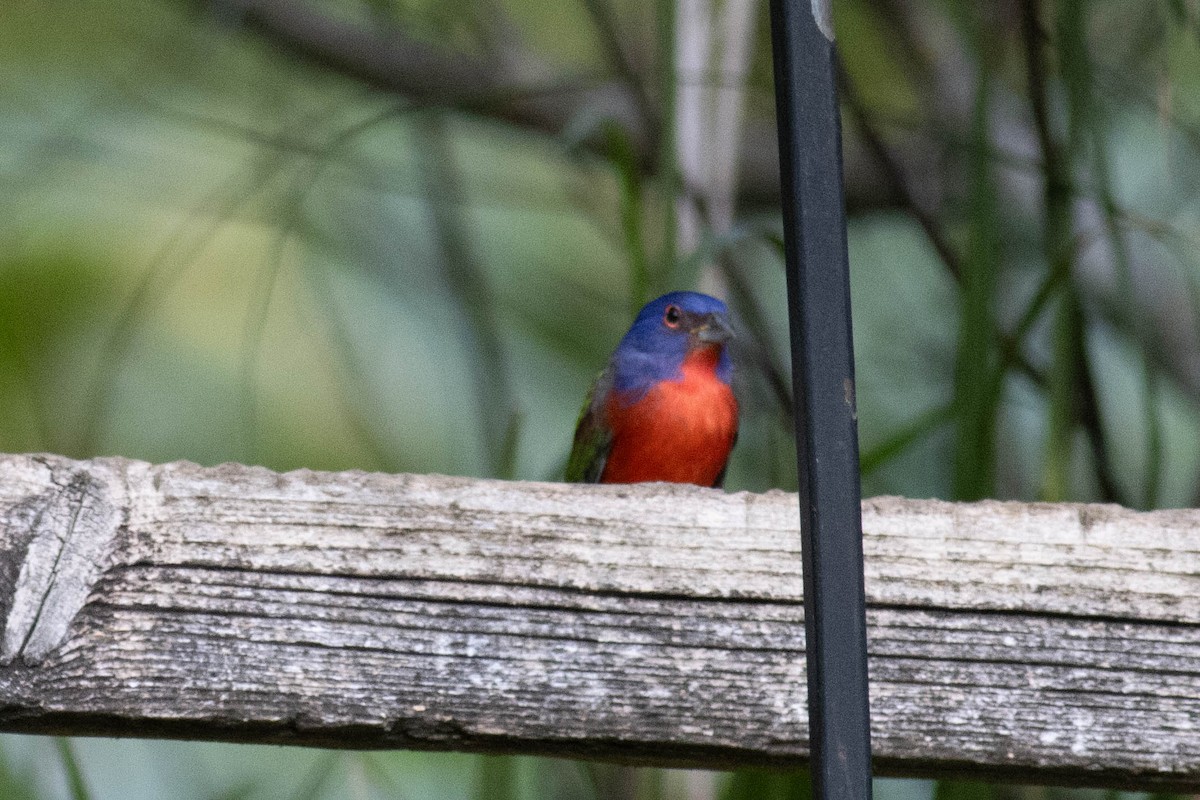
<point>664,408</point>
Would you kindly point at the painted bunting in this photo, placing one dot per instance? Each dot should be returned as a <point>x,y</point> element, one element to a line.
<point>663,409</point>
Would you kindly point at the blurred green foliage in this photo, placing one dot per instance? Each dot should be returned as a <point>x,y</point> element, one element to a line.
<point>215,248</point>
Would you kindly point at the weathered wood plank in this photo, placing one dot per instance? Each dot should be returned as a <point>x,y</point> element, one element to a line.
<point>654,623</point>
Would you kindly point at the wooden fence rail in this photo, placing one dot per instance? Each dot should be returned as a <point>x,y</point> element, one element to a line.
<point>651,624</point>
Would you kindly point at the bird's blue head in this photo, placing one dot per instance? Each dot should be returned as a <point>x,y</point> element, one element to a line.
<point>665,331</point>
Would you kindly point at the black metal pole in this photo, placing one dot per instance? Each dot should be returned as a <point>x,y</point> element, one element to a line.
<point>818,274</point>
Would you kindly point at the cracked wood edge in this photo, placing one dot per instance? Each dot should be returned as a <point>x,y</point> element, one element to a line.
<point>66,531</point>
<point>653,623</point>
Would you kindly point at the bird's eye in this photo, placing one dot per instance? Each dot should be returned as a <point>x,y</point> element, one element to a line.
<point>671,316</point>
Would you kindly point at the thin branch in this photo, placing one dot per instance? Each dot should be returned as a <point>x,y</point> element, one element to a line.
<point>396,62</point>
<point>899,188</point>
<point>610,38</point>
<point>488,86</point>
<point>1073,388</point>
<point>494,395</point>
<point>893,174</point>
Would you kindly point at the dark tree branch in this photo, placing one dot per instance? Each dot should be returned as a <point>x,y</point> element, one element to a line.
<point>610,37</point>
<point>398,63</point>
<point>893,173</point>
<point>898,186</point>
<point>501,89</point>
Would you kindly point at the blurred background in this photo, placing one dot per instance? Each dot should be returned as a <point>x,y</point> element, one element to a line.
<point>404,235</point>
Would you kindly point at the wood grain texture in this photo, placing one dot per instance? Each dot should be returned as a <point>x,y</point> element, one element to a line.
<point>652,624</point>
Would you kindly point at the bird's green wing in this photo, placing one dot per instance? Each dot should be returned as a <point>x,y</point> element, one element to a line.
<point>593,438</point>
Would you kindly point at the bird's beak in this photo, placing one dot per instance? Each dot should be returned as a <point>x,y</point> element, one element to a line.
<point>714,329</point>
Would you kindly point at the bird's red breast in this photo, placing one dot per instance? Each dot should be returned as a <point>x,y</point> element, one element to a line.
<point>679,431</point>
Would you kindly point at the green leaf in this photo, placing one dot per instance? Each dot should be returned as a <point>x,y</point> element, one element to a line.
<point>894,446</point>
<point>14,785</point>
<point>623,155</point>
<point>965,790</point>
<point>70,764</point>
<point>318,777</point>
<point>759,784</point>
<point>497,778</point>
<point>979,370</point>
